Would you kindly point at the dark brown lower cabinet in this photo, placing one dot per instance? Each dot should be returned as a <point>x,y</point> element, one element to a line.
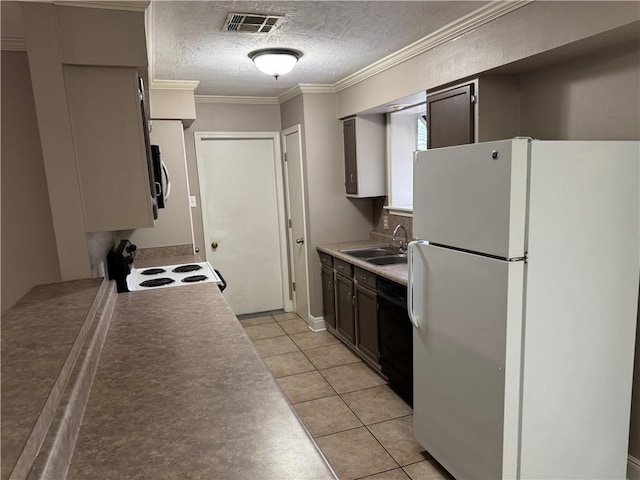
<point>367,322</point>
<point>328,297</point>
<point>345,315</point>
<point>350,306</point>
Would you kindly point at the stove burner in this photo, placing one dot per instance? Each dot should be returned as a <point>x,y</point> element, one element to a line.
<point>186,268</point>
<point>152,271</point>
<point>194,278</point>
<point>157,282</point>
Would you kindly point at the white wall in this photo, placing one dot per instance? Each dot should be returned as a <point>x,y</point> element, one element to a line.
<point>219,117</point>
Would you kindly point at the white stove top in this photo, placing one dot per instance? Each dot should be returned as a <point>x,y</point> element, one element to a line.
<point>166,276</point>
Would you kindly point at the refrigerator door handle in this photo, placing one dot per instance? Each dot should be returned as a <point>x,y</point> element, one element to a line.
<point>410,298</point>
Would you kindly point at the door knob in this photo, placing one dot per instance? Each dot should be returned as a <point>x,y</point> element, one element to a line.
<point>214,245</point>
<point>300,240</point>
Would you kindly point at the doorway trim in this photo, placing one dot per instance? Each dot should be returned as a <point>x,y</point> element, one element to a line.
<point>200,137</point>
<point>288,131</point>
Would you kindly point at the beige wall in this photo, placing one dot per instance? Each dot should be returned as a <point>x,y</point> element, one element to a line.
<point>57,34</point>
<point>593,97</point>
<point>331,216</point>
<point>29,255</point>
<point>216,117</point>
<point>173,226</point>
<point>535,28</point>
<point>56,139</point>
<point>172,104</point>
<point>292,112</point>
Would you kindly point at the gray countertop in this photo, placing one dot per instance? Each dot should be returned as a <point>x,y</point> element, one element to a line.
<point>398,273</point>
<point>38,334</point>
<point>180,392</point>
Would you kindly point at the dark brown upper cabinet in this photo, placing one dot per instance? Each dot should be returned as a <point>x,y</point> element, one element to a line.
<point>450,117</point>
<point>481,110</point>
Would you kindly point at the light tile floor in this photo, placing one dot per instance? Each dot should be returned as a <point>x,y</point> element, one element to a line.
<point>363,428</point>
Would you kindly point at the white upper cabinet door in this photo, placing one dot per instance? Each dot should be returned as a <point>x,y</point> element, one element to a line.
<point>473,197</point>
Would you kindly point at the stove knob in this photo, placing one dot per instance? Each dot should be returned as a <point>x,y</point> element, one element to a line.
<point>131,248</point>
<point>129,260</point>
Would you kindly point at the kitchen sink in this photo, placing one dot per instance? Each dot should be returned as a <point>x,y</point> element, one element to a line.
<point>387,260</point>
<point>371,252</point>
<point>384,255</point>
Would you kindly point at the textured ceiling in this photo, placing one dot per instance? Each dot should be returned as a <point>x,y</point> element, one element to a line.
<point>337,38</point>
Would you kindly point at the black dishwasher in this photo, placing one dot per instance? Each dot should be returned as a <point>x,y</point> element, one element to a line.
<point>395,337</point>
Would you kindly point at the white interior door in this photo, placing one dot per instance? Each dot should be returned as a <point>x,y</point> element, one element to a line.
<point>294,174</point>
<point>243,217</point>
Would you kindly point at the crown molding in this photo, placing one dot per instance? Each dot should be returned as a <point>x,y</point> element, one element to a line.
<point>465,24</point>
<point>174,84</point>
<point>15,44</point>
<point>289,94</point>
<point>317,88</point>
<point>133,5</point>
<point>236,100</point>
<point>305,88</point>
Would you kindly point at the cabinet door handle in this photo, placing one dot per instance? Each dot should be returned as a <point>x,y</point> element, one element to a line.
<point>351,177</point>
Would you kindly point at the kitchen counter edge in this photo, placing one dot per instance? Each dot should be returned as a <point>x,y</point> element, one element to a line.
<point>396,273</point>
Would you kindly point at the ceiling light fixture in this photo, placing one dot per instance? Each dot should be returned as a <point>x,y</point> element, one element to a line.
<point>275,61</point>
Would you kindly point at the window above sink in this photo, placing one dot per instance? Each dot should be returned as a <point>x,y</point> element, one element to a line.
<point>406,133</point>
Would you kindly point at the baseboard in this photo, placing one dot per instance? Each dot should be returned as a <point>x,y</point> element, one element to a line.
<point>633,468</point>
<point>316,323</point>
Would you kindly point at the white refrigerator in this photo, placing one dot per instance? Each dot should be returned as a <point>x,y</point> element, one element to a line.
<point>523,292</point>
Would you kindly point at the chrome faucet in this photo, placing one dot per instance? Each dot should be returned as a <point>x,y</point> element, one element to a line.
<point>403,244</point>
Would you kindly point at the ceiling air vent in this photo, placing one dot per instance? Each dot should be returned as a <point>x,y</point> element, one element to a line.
<point>251,22</point>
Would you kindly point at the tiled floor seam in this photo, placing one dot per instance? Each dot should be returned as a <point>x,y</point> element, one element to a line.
<point>350,391</point>
<point>367,427</point>
<point>319,398</point>
<point>340,395</point>
<point>383,447</point>
<point>380,473</point>
<point>387,420</point>
<point>276,354</point>
<point>341,431</point>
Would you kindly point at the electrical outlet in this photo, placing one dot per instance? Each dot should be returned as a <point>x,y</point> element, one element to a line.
<point>385,222</point>
<point>192,201</point>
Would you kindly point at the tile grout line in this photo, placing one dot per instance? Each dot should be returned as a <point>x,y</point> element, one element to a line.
<point>359,419</point>
<point>339,395</point>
